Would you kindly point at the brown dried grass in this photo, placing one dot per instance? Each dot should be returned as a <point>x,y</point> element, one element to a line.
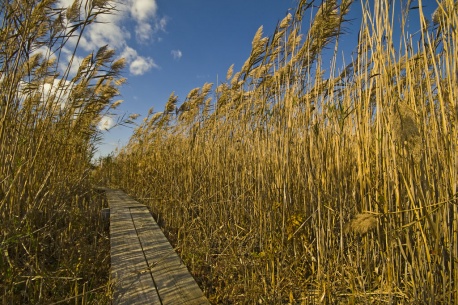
<point>53,245</point>
<point>362,224</point>
<point>258,182</point>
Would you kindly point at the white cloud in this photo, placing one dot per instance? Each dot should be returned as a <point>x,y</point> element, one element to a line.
<point>105,123</point>
<point>53,94</point>
<point>142,10</point>
<point>75,63</point>
<point>161,24</point>
<point>141,65</point>
<point>177,54</point>
<point>77,60</point>
<point>143,32</point>
<point>106,31</point>
<point>129,54</point>
<point>46,53</point>
<point>109,30</point>
<point>58,88</point>
<point>65,3</point>
<point>138,65</point>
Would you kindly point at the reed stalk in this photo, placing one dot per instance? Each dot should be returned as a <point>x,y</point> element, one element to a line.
<point>298,183</point>
<point>53,245</point>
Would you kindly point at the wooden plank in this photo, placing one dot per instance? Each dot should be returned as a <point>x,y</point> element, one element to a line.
<point>119,200</point>
<point>174,283</point>
<point>129,269</point>
<point>169,280</point>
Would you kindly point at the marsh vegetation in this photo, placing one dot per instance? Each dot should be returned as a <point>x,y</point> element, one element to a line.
<point>299,179</point>
<point>54,248</point>
<point>296,181</point>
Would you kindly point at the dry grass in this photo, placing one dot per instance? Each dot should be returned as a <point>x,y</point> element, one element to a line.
<point>53,245</point>
<point>257,183</point>
<point>362,224</point>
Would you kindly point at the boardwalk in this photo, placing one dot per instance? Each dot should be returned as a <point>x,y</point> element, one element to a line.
<point>144,266</point>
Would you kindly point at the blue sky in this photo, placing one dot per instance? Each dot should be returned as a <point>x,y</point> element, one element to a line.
<point>178,45</point>
<point>188,43</point>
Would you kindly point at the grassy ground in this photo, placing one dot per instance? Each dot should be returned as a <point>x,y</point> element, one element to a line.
<point>63,259</point>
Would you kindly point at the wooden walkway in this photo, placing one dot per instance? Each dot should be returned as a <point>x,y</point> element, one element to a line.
<point>144,266</point>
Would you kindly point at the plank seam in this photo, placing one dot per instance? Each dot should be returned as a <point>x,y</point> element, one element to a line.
<point>146,259</point>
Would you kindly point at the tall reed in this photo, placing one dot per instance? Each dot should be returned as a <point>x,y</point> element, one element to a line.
<point>298,183</point>
<point>50,232</point>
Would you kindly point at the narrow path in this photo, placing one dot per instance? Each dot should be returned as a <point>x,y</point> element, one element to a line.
<point>144,266</point>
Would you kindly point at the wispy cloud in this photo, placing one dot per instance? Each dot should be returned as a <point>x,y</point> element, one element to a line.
<point>147,21</point>
<point>107,31</point>
<point>146,32</point>
<point>110,31</point>
<point>177,54</point>
<point>138,65</point>
<point>142,10</point>
<point>141,65</point>
<point>46,52</point>
<point>161,24</point>
<point>143,32</point>
<point>144,13</point>
<point>67,55</point>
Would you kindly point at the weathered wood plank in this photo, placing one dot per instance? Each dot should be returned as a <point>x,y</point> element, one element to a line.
<point>120,200</point>
<point>129,269</point>
<point>144,264</point>
<point>174,283</point>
